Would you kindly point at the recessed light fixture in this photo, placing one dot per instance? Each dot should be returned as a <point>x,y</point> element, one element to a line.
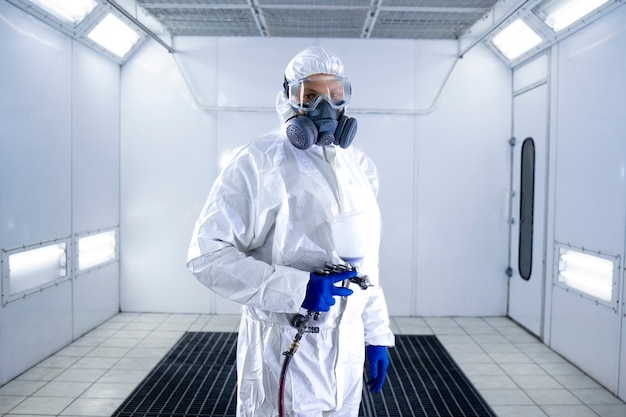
<point>559,14</point>
<point>587,273</point>
<point>114,35</point>
<point>73,11</point>
<point>36,267</point>
<point>96,249</point>
<point>516,39</point>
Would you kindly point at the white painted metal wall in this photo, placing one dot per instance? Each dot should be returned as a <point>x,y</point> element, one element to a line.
<point>443,174</point>
<point>59,177</point>
<point>588,192</point>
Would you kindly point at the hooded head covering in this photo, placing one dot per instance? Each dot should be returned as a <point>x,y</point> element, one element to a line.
<point>314,60</point>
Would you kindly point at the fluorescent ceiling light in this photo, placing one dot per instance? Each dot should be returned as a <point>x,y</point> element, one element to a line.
<point>114,35</point>
<point>516,39</point>
<point>96,249</point>
<point>71,11</point>
<point>586,273</point>
<point>559,14</point>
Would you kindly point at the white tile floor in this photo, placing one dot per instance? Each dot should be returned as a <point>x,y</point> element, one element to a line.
<point>515,373</point>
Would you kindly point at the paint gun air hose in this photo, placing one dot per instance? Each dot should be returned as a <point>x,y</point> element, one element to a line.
<point>299,322</point>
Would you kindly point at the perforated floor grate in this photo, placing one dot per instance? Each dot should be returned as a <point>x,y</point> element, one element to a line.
<point>197,378</point>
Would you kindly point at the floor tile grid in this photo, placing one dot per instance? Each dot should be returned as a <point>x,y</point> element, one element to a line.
<point>93,375</point>
<point>517,375</point>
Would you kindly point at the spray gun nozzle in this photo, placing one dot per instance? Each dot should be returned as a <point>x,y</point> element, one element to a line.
<point>362,281</point>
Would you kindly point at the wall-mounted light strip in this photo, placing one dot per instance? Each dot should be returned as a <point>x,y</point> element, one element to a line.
<point>97,249</point>
<point>516,39</point>
<point>34,268</point>
<point>589,274</point>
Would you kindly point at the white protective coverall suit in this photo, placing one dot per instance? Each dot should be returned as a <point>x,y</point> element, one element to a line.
<point>264,228</point>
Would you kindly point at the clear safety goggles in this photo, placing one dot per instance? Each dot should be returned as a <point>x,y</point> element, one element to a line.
<point>305,94</point>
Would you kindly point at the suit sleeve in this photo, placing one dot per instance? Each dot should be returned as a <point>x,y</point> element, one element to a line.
<point>237,218</point>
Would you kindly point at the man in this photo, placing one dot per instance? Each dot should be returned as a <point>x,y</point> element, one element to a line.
<point>266,229</point>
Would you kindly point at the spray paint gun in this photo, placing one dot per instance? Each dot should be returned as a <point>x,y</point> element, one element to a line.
<point>300,322</point>
<point>362,281</point>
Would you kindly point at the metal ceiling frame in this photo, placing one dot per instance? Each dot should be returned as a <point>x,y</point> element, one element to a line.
<point>500,14</point>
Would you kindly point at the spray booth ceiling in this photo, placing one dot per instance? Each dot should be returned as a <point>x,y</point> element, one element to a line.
<point>398,19</point>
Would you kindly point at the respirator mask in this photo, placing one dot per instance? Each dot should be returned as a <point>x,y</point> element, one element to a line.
<point>319,103</point>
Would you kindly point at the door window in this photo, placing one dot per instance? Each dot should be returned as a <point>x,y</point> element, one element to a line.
<point>526,208</point>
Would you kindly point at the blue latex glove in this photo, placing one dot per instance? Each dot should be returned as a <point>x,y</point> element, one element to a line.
<point>321,289</point>
<point>379,361</point>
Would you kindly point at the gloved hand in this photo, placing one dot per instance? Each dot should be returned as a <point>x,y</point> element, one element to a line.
<point>379,361</point>
<point>321,289</point>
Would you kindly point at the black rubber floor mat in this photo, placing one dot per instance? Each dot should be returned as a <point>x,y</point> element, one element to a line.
<point>197,378</point>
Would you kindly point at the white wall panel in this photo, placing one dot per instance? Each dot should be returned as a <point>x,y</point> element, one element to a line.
<point>591,155</point>
<point>96,295</point>
<point>590,188</point>
<point>34,328</point>
<point>588,335</point>
<point>389,140</point>
<point>35,182</point>
<point>35,130</point>
<point>463,178</point>
<point>95,141</point>
<point>167,167</point>
<point>95,178</point>
<point>59,170</point>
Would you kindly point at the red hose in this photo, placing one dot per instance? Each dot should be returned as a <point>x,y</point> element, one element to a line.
<point>281,386</point>
<point>299,322</point>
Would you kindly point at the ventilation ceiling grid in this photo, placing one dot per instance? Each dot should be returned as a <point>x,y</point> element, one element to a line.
<point>323,23</point>
<point>412,19</point>
<point>203,17</point>
<point>422,25</point>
